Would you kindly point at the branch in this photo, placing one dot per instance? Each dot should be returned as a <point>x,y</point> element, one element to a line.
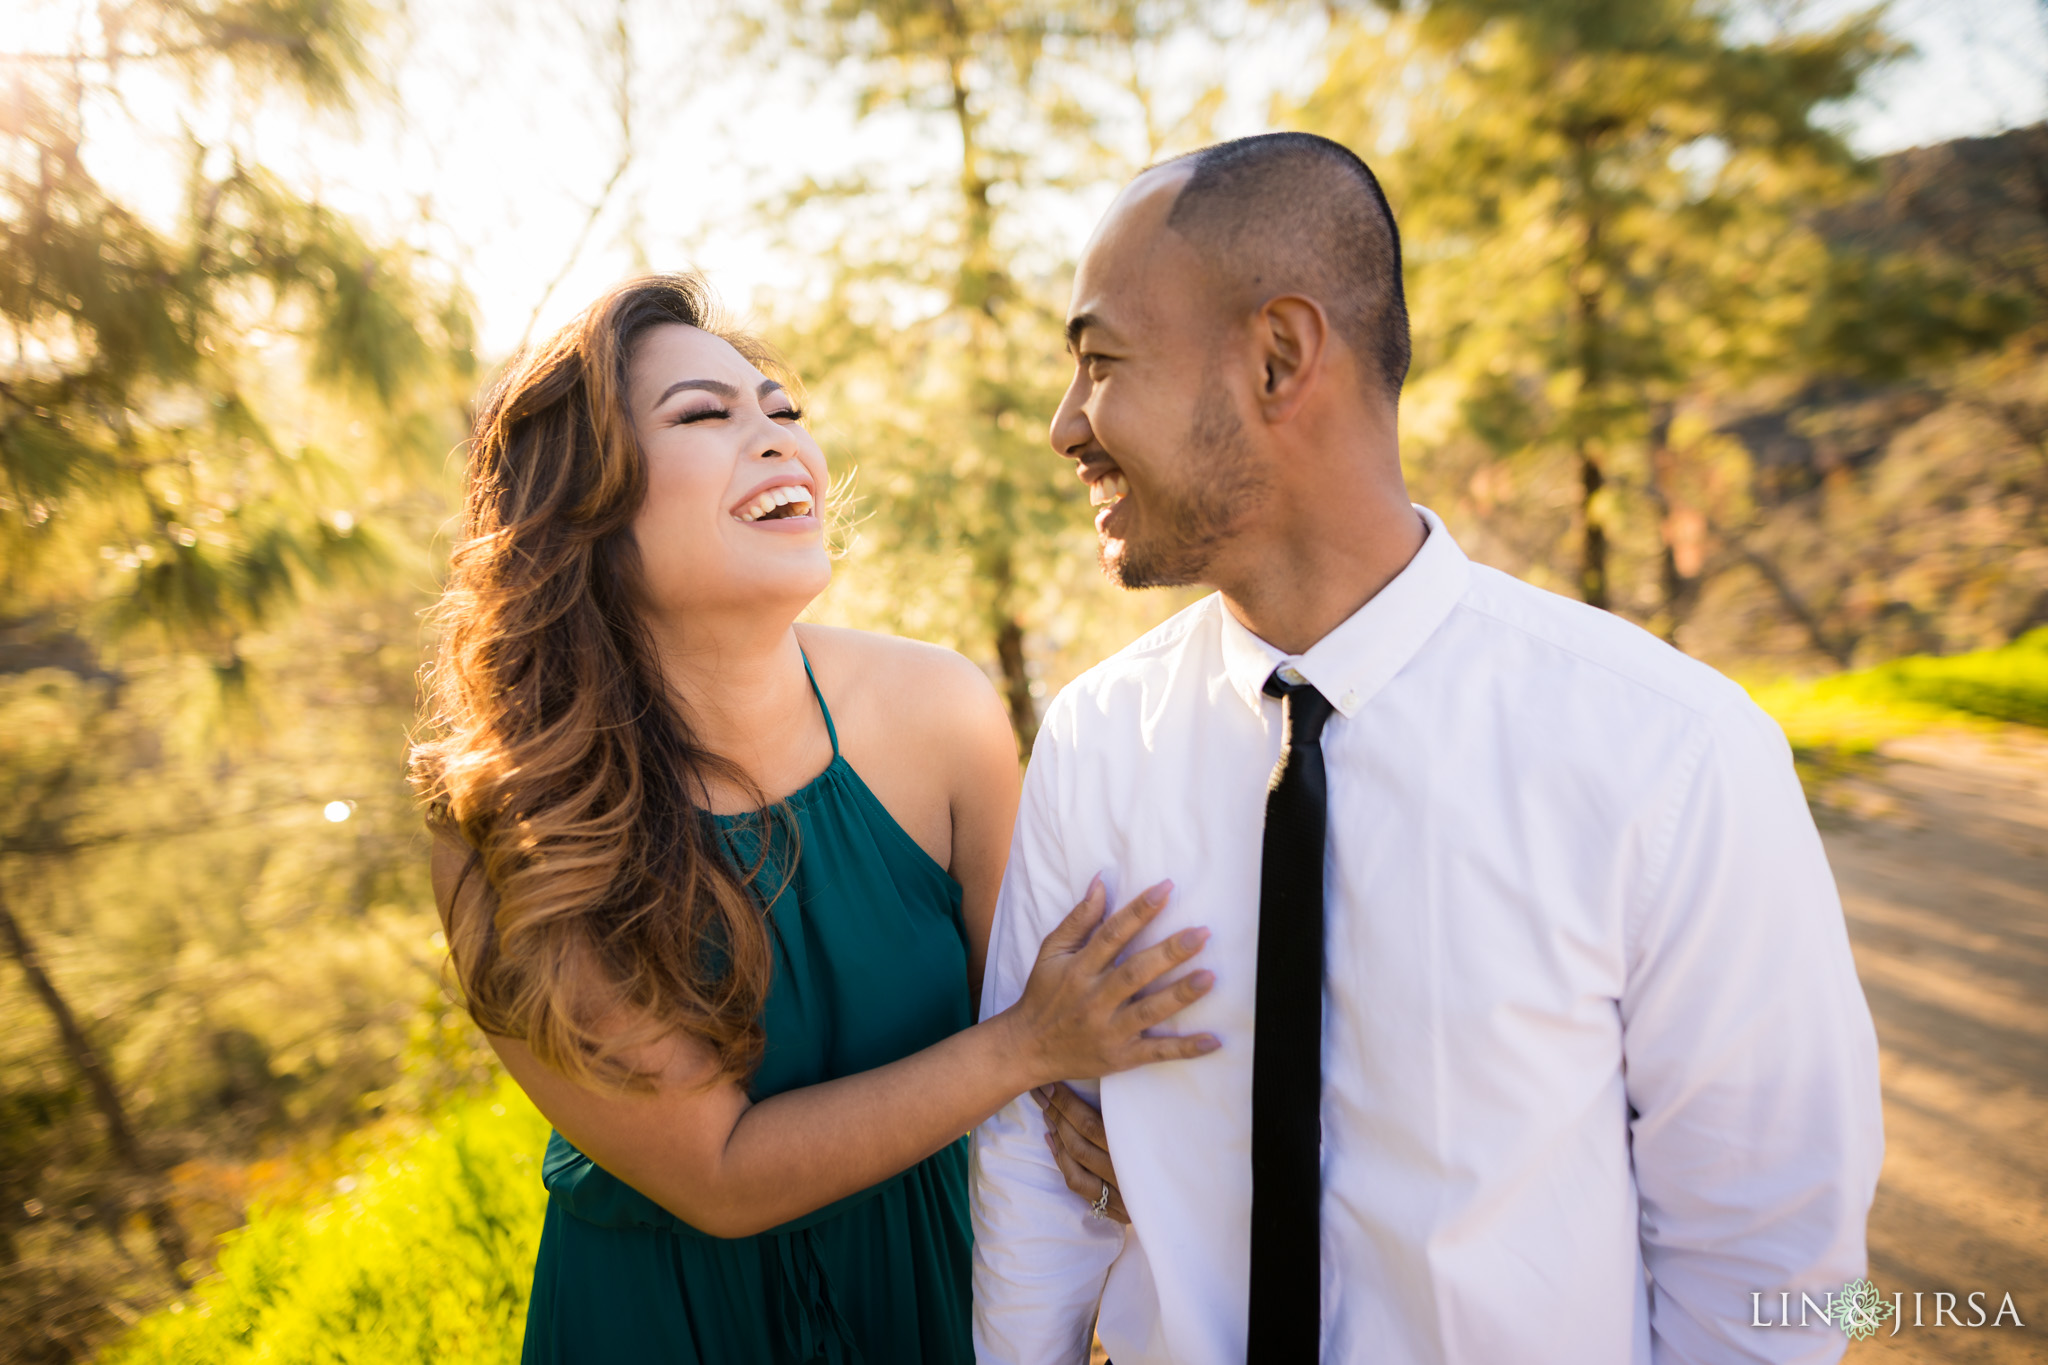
<point>1838,650</point>
<point>64,847</point>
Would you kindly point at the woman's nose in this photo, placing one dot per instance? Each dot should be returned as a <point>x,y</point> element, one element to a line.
<point>775,443</point>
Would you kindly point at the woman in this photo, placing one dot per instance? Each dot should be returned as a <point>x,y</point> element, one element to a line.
<point>717,886</point>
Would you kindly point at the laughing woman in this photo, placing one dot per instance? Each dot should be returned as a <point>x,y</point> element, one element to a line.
<point>717,886</point>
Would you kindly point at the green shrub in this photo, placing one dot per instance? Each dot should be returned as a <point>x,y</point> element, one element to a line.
<point>1854,711</point>
<point>425,1254</point>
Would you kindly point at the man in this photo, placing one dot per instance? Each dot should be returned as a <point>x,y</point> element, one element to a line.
<point>1541,1037</point>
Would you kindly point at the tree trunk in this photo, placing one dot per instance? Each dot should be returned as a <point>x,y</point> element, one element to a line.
<point>979,293</point>
<point>1016,683</point>
<point>170,1237</point>
<point>1588,280</point>
<point>1680,586</point>
<point>1593,542</point>
<point>1008,633</point>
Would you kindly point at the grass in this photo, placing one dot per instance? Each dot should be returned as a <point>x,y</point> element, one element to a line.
<point>1846,715</point>
<point>424,1253</point>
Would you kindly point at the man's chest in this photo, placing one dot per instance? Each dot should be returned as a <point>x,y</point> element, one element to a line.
<point>1474,917</point>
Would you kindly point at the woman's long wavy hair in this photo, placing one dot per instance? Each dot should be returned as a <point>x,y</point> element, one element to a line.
<point>554,751</point>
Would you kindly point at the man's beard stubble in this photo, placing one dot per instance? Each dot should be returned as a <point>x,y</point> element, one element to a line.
<point>1220,486</point>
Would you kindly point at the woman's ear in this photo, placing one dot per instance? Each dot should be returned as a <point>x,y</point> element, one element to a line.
<point>1293,333</point>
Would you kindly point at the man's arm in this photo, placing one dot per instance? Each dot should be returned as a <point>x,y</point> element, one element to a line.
<point>1750,1059</point>
<point>1039,1257</point>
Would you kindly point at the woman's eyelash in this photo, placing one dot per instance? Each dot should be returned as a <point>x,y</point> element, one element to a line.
<point>707,414</point>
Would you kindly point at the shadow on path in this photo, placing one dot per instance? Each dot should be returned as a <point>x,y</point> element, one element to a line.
<point>1941,854</point>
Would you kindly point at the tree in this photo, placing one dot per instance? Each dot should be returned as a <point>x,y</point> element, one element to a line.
<point>1604,201</point>
<point>144,482</point>
<point>936,351</point>
<point>192,416</point>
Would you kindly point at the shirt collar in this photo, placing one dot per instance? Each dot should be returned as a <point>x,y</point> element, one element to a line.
<point>1354,661</point>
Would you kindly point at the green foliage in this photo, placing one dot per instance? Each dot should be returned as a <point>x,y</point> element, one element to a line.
<point>423,1251</point>
<point>1610,211</point>
<point>221,430</point>
<point>251,971</point>
<point>163,462</point>
<point>1853,712</point>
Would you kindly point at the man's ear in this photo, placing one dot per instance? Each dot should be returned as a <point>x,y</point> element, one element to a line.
<point>1293,332</point>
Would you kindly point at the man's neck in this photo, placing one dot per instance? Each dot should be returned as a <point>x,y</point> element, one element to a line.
<point>1306,575</point>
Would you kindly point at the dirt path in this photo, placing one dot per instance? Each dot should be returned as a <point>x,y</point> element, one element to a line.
<point>1941,852</point>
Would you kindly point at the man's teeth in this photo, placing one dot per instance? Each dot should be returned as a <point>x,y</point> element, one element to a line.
<point>797,499</point>
<point>1107,489</point>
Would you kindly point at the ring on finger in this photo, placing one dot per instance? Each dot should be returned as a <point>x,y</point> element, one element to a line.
<point>1100,1206</point>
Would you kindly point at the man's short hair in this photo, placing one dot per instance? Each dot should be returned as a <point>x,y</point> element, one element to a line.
<point>1301,212</point>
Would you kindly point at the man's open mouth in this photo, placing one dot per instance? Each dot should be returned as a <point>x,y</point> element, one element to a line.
<point>1108,490</point>
<point>776,504</point>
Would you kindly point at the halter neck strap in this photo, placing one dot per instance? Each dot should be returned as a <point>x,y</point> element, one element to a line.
<point>823,709</point>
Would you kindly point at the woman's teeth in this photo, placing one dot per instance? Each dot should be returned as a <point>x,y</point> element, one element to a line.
<point>1107,489</point>
<point>790,500</point>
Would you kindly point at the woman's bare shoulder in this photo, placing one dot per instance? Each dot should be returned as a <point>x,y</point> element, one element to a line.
<point>890,664</point>
<point>905,688</point>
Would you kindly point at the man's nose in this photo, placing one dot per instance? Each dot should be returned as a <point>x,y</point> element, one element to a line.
<point>1070,435</point>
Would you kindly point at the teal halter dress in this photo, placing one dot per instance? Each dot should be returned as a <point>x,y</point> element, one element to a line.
<point>870,965</point>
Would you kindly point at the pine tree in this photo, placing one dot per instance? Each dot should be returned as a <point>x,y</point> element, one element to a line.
<point>1603,201</point>
<point>169,481</point>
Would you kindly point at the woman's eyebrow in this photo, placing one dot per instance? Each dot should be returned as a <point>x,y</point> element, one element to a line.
<point>719,387</point>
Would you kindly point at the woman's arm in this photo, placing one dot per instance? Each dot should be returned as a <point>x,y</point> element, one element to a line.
<point>698,1147</point>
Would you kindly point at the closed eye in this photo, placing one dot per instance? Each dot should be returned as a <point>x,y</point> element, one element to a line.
<point>701,415</point>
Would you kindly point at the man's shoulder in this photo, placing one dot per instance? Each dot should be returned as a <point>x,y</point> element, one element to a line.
<point>1157,660</point>
<point>1532,627</point>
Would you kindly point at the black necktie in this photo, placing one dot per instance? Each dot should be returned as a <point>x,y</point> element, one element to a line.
<point>1287,1044</point>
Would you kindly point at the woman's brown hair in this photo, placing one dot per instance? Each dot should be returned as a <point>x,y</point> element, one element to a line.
<point>555,752</point>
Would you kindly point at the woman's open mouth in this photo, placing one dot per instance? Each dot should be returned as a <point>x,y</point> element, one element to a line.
<point>776,504</point>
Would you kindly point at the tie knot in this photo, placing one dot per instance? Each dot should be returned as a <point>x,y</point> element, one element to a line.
<point>1305,708</point>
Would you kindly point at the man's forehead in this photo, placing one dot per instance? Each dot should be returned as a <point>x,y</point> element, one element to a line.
<point>1112,277</point>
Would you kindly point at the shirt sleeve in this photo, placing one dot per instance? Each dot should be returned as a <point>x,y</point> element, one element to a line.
<point>1040,1258</point>
<point>1750,1058</point>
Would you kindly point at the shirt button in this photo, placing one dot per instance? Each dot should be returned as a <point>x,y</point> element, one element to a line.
<point>1292,676</point>
<point>1348,700</point>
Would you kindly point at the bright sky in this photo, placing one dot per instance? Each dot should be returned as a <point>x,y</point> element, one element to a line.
<point>503,136</point>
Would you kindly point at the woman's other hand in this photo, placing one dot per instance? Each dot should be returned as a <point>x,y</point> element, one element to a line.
<point>1084,1014</point>
<point>1074,1132</point>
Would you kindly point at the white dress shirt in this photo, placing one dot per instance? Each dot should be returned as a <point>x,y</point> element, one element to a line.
<point>1596,1065</point>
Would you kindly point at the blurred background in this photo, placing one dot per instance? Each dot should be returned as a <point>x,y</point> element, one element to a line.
<point>1731,318</point>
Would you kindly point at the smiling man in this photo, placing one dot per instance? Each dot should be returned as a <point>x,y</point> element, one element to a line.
<point>1542,1041</point>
